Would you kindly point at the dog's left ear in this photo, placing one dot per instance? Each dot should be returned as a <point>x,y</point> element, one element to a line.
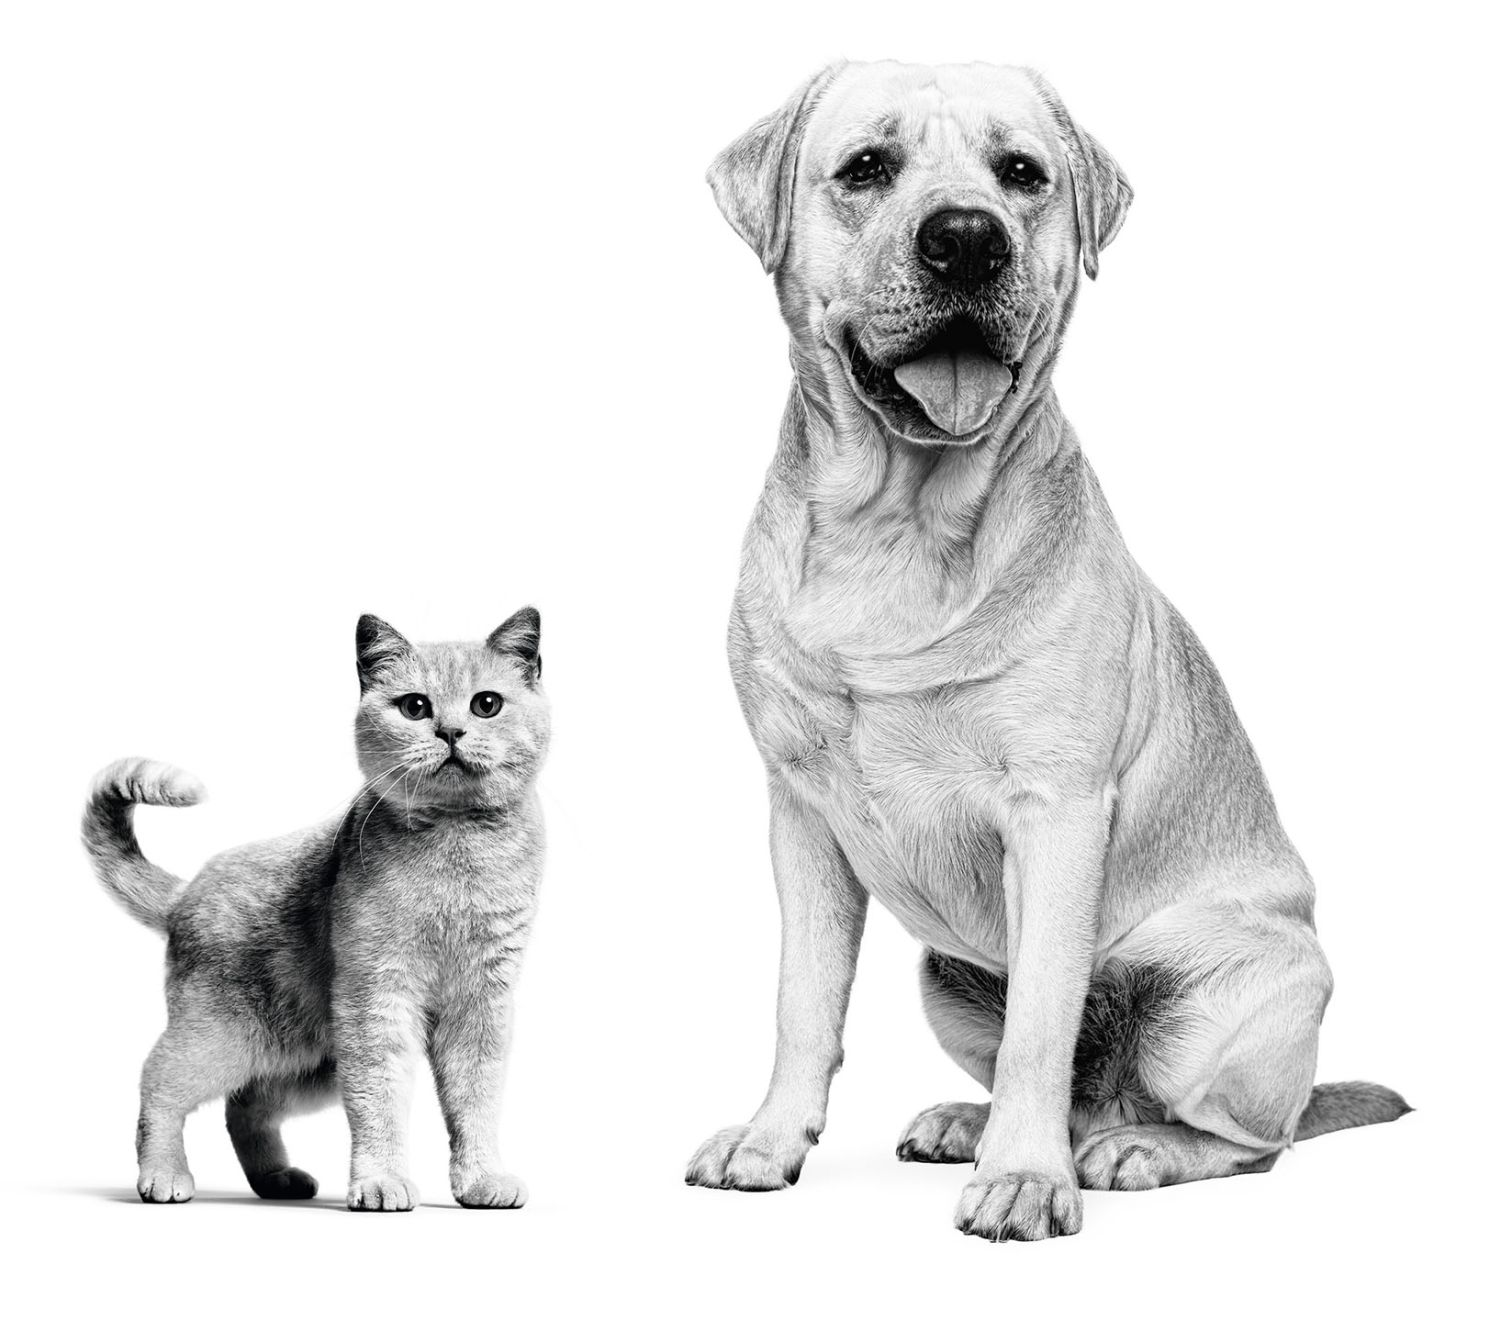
<point>520,636</point>
<point>1102,192</point>
<point>753,178</point>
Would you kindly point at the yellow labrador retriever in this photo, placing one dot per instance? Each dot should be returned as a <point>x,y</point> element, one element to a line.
<point>971,702</point>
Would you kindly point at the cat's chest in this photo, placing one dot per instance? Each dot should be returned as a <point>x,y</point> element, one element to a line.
<point>441,892</point>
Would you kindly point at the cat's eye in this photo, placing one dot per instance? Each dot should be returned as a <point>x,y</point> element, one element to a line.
<point>415,706</point>
<point>487,704</point>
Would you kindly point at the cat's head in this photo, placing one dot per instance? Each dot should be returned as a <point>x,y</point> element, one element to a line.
<point>451,724</point>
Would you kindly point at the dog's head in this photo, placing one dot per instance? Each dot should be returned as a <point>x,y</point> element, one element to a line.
<point>926,227</point>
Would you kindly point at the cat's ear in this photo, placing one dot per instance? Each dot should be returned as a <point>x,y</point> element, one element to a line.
<point>377,645</point>
<point>520,636</point>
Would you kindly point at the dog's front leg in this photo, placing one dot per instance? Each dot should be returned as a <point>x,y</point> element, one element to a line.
<point>823,918</point>
<point>1024,1185</point>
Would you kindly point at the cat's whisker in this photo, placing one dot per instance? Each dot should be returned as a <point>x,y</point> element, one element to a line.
<point>365,788</point>
<point>360,840</point>
<point>347,802</point>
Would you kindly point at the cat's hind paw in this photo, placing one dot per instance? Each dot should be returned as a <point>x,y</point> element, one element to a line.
<point>493,1191</point>
<point>288,1184</point>
<point>382,1192</point>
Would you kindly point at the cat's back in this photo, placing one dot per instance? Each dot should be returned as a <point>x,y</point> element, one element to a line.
<point>266,882</point>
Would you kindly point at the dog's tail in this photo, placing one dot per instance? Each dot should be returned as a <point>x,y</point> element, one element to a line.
<point>1336,1105</point>
<point>143,889</point>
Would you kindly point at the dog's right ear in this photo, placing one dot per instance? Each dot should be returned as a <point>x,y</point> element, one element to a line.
<point>753,178</point>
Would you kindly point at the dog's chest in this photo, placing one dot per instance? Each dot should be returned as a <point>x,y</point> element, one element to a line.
<point>910,786</point>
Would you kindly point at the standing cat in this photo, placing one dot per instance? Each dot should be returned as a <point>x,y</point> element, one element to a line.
<point>314,966</point>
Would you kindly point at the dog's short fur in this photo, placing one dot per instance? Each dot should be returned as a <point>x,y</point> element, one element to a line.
<point>971,702</point>
<point>316,966</point>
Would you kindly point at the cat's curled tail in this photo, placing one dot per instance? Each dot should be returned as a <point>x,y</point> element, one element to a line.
<point>142,888</point>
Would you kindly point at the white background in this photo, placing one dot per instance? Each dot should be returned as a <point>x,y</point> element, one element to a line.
<point>313,309</point>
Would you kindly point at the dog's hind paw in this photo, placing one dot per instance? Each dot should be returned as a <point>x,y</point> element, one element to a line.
<point>944,1134</point>
<point>1123,1159</point>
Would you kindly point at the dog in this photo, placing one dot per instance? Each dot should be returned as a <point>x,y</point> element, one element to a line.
<point>973,705</point>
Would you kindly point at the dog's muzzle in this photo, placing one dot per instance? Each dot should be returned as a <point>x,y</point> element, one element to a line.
<point>955,381</point>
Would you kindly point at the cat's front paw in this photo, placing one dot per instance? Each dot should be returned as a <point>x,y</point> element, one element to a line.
<point>165,1185</point>
<point>385,1191</point>
<point>493,1191</point>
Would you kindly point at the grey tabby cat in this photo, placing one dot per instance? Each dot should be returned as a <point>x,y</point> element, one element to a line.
<point>316,965</point>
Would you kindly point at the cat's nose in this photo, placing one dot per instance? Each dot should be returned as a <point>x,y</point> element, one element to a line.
<point>450,736</point>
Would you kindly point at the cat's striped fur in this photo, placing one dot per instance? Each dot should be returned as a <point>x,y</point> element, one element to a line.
<point>315,966</point>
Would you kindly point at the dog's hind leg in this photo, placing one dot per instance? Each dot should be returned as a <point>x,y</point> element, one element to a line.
<point>966,1007</point>
<point>254,1115</point>
<point>1138,1156</point>
<point>1226,1059</point>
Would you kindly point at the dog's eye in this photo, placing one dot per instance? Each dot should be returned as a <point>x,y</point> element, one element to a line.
<point>414,706</point>
<point>487,704</point>
<point>1021,172</point>
<point>864,169</point>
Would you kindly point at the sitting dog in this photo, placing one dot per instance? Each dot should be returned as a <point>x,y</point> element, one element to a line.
<point>971,702</point>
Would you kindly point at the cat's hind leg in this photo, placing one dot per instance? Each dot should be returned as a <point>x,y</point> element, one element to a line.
<point>254,1115</point>
<point>194,1061</point>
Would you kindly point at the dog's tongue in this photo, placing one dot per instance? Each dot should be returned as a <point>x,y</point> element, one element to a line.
<point>957,388</point>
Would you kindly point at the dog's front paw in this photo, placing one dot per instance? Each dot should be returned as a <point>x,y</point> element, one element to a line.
<point>386,1191</point>
<point>1024,1207</point>
<point>746,1159</point>
<point>944,1134</point>
<point>165,1185</point>
<point>493,1191</point>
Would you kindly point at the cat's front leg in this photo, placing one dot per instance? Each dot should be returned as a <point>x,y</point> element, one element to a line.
<point>468,1045</point>
<point>376,1041</point>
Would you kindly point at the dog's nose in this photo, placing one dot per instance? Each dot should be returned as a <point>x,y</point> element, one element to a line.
<point>963,247</point>
<point>450,736</point>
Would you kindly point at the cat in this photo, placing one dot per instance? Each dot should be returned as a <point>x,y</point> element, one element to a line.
<point>313,967</point>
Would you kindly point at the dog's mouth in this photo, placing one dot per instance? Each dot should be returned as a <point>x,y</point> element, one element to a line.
<point>954,381</point>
